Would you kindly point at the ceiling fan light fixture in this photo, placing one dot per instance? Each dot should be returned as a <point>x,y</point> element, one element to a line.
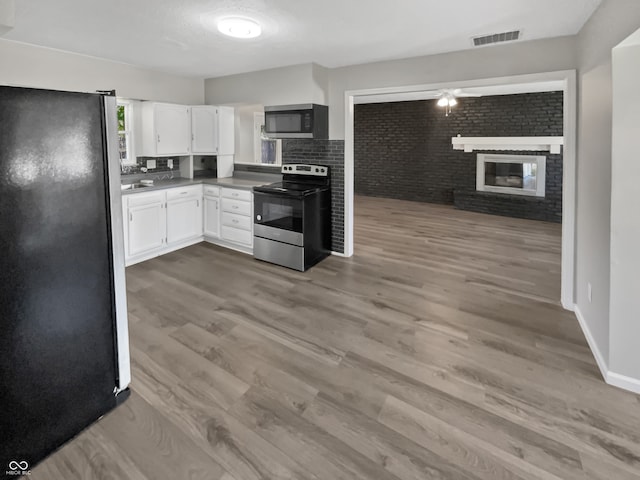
<point>443,102</point>
<point>239,27</point>
<point>452,101</point>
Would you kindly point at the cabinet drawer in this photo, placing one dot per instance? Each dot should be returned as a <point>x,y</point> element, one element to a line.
<point>236,206</point>
<point>236,235</point>
<point>236,221</point>
<point>190,191</point>
<point>211,191</point>
<point>139,199</point>
<point>237,194</point>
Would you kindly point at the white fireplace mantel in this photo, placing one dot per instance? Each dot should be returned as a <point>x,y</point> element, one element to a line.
<point>533,144</point>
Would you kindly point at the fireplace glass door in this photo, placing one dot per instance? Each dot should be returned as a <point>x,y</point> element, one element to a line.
<point>511,174</point>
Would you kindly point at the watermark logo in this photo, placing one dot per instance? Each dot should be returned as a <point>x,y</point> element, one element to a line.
<point>18,468</point>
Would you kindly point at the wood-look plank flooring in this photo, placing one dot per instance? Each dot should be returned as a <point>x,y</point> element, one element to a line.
<point>439,351</point>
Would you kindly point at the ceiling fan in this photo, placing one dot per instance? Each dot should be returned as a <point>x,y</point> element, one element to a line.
<point>447,97</point>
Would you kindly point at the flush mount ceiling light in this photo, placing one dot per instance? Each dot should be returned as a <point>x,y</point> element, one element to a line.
<point>239,27</point>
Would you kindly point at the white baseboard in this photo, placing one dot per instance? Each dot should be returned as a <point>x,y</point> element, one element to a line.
<point>615,379</point>
<point>229,245</point>
<point>338,254</point>
<point>600,360</point>
<point>182,245</point>
<point>156,253</point>
<point>624,382</point>
<point>569,306</point>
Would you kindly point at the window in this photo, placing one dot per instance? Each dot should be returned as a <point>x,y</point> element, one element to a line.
<point>266,151</point>
<point>125,133</point>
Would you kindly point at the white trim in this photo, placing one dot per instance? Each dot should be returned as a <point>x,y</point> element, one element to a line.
<point>624,382</point>
<point>163,251</point>
<point>595,350</point>
<point>128,132</point>
<point>231,246</point>
<point>534,144</point>
<point>338,254</point>
<point>569,178</point>
<point>348,173</point>
<point>258,123</point>
<point>117,242</point>
<point>568,79</point>
<point>611,378</point>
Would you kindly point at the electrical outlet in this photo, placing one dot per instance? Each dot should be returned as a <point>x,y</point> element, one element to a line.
<point>589,292</point>
<point>151,164</point>
<point>170,163</point>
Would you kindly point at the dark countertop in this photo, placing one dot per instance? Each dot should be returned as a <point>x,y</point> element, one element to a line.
<point>244,181</point>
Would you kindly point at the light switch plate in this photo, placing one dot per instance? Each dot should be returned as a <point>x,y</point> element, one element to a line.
<point>151,164</point>
<point>170,163</point>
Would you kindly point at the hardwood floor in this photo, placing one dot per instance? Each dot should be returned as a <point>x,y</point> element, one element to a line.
<point>439,351</point>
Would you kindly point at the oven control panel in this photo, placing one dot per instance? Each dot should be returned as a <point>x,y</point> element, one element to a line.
<point>301,169</point>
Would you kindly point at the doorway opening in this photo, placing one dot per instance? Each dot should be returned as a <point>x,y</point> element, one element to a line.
<point>444,185</point>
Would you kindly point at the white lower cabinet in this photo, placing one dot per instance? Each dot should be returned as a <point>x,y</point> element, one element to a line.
<point>184,214</point>
<point>237,217</point>
<point>146,230</point>
<point>212,216</point>
<point>159,222</point>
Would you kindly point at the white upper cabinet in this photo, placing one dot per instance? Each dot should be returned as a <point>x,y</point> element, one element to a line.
<point>226,131</point>
<point>204,129</point>
<point>212,130</point>
<point>169,129</point>
<point>166,129</point>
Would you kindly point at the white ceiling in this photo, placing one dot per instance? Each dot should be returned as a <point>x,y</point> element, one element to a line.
<point>172,35</point>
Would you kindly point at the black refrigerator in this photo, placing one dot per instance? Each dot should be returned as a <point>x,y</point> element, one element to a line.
<point>64,356</point>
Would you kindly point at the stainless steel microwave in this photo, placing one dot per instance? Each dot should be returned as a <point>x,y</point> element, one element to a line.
<point>297,121</point>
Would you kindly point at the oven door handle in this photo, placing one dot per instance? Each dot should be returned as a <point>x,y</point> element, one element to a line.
<point>274,194</point>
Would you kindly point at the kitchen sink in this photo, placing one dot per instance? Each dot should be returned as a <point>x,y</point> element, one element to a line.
<point>132,186</point>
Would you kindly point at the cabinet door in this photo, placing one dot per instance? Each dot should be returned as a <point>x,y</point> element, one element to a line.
<point>172,129</point>
<point>212,216</point>
<point>146,229</point>
<point>184,219</point>
<point>204,129</point>
<point>226,131</point>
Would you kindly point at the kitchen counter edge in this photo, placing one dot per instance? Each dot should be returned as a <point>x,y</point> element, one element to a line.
<point>230,182</point>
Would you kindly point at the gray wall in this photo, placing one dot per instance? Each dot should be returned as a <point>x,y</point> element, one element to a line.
<point>31,66</point>
<point>625,221</point>
<point>278,86</point>
<point>313,83</point>
<point>611,23</point>
<point>514,59</point>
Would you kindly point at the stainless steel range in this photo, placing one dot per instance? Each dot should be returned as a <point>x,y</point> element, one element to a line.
<point>292,218</point>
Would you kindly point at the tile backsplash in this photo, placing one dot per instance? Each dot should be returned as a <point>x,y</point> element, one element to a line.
<point>161,166</point>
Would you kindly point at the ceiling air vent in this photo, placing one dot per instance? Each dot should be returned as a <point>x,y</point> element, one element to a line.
<point>496,38</point>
